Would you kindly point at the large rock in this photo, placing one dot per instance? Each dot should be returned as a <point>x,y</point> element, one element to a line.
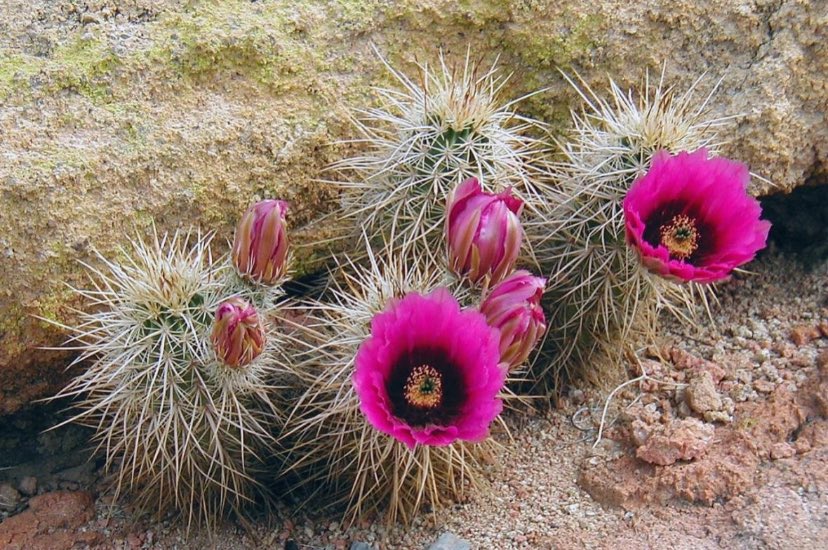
<point>116,114</point>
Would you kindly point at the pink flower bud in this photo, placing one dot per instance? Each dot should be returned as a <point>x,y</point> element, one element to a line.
<point>260,247</point>
<point>514,307</point>
<point>483,232</point>
<point>238,336</point>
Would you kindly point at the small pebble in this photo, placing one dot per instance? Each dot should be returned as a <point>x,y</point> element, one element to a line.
<point>28,486</point>
<point>782,450</point>
<point>9,497</point>
<point>450,541</point>
<point>802,334</point>
<point>763,386</point>
<point>87,18</point>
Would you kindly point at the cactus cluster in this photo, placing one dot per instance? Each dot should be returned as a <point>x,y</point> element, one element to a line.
<point>382,390</point>
<point>440,191</point>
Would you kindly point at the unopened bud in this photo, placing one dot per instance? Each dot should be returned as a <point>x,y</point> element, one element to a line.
<point>513,306</point>
<point>483,232</point>
<point>237,336</point>
<point>260,247</point>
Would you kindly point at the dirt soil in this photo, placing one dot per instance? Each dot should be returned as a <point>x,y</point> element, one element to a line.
<point>722,441</point>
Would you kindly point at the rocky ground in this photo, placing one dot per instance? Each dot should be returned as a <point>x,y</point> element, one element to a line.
<point>721,441</point>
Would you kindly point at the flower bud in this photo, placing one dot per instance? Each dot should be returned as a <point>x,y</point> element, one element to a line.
<point>260,247</point>
<point>514,307</point>
<point>483,232</point>
<point>238,336</point>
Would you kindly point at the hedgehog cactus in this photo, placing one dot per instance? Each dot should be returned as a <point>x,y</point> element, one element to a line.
<point>182,422</point>
<point>601,300</point>
<point>426,138</point>
<point>333,433</point>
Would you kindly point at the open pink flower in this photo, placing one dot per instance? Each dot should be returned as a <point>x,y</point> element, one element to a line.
<point>430,373</point>
<point>690,218</point>
<point>483,232</point>
<point>514,308</point>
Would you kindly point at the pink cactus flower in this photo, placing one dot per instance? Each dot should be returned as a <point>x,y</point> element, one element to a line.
<point>513,307</point>
<point>483,232</point>
<point>260,247</point>
<point>237,336</point>
<point>430,373</point>
<point>690,218</point>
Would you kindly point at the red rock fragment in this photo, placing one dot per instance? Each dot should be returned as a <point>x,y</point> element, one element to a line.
<point>685,439</point>
<point>802,334</point>
<point>50,523</point>
<point>727,470</point>
<point>683,360</point>
<point>701,393</point>
<point>802,445</point>
<point>782,450</point>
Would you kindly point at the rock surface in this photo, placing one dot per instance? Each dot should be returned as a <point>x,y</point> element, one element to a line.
<point>120,114</point>
<point>50,523</point>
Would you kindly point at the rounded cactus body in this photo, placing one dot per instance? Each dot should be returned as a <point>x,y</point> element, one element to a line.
<point>332,443</point>
<point>183,429</point>
<point>425,138</point>
<point>601,301</point>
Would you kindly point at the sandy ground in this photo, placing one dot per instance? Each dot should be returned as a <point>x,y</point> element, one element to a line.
<point>760,481</point>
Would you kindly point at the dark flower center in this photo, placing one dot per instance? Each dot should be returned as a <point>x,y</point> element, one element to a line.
<point>684,230</point>
<point>426,388</point>
<point>680,236</point>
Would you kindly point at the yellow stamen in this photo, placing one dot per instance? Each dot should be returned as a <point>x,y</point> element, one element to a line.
<point>680,236</point>
<point>424,387</point>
